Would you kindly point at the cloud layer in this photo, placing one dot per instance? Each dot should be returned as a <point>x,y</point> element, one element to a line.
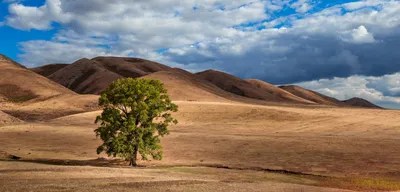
<point>384,91</point>
<point>279,41</point>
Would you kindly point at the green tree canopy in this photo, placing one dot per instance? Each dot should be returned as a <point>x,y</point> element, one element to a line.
<point>135,116</point>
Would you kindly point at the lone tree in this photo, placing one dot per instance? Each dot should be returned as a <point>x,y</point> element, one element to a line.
<point>135,116</point>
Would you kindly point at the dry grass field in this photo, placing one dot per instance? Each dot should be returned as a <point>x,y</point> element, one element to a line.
<point>215,147</point>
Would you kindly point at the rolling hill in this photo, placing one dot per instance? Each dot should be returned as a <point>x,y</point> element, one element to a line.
<point>278,93</point>
<point>183,85</point>
<point>85,77</point>
<point>326,100</point>
<point>359,102</point>
<point>18,84</point>
<point>47,70</point>
<point>30,96</point>
<point>312,95</point>
<point>92,76</point>
<point>5,59</point>
<point>130,67</point>
<point>233,84</point>
<point>254,89</point>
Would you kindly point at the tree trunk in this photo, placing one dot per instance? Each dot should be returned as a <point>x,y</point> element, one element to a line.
<point>134,157</point>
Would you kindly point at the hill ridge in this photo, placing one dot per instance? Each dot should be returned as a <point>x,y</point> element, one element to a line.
<point>360,102</point>
<point>84,76</point>
<point>254,89</point>
<point>311,95</point>
<point>92,76</point>
<point>5,59</point>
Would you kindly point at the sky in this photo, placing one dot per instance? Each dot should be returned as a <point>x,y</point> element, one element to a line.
<point>341,48</point>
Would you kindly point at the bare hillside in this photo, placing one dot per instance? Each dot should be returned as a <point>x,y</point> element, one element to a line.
<point>18,84</point>
<point>130,67</point>
<point>85,76</point>
<point>249,89</point>
<point>5,59</point>
<point>93,76</point>
<point>277,93</point>
<point>312,95</point>
<point>183,85</point>
<point>47,70</point>
<point>359,102</point>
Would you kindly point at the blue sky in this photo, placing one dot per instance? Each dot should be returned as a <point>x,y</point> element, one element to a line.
<point>322,45</point>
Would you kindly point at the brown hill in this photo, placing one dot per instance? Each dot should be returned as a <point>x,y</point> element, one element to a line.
<point>93,76</point>
<point>183,85</point>
<point>250,89</point>
<point>47,70</point>
<point>231,84</point>
<point>18,84</point>
<point>312,95</point>
<point>30,96</point>
<point>5,59</point>
<point>85,76</point>
<point>277,93</point>
<point>359,102</point>
<point>130,67</point>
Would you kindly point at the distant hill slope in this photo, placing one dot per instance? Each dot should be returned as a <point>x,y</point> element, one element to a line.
<point>130,67</point>
<point>94,75</point>
<point>278,93</point>
<point>18,84</point>
<point>232,84</point>
<point>183,85</point>
<point>85,77</point>
<point>5,59</point>
<point>47,70</point>
<point>326,100</point>
<point>30,96</point>
<point>254,89</point>
<point>359,102</point>
<point>312,95</point>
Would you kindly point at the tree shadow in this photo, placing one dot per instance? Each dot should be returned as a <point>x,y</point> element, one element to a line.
<point>99,162</point>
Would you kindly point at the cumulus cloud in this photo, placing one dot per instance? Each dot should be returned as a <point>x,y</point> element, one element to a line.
<point>359,35</point>
<point>41,18</point>
<point>334,42</point>
<point>380,90</point>
<point>279,41</point>
<point>302,6</point>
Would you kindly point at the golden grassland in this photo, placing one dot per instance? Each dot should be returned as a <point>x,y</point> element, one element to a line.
<point>216,146</point>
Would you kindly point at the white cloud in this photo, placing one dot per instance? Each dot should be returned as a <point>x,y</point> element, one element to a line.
<point>359,35</point>
<point>387,84</point>
<point>360,4</point>
<point>302,6</point>
<point>27,17</point>
<point>65,52</point>
<point>369,88</point>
